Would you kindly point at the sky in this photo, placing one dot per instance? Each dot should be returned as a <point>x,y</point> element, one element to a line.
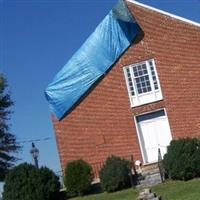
<point>37,37</point>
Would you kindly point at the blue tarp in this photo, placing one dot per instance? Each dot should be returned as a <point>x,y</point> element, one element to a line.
<point>104,46</point>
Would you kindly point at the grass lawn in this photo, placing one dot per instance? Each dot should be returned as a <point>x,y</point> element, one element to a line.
<point>179,190</point>
<point>129,194</point>
<point>170,190</point>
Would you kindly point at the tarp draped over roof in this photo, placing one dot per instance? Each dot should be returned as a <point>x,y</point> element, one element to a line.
<point>104,46</point>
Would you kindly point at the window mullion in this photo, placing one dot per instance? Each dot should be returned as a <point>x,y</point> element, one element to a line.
<point>144,81</point>
<point>133,81</point>
<point>150,76</point>
<point>127,83</point>
<point>156,74</point>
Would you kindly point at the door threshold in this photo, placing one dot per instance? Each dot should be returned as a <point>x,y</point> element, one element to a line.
<point>151,163</point>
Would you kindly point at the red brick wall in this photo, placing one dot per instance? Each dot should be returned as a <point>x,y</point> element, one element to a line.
<point>102,124</point>
<point>175,46</point>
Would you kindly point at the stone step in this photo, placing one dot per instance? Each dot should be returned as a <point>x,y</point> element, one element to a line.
<point>150,182</point>
<point>153,176</point>
<point>149,175</point>
<point>149,172</point>
<point>149,167</point>
<point>146,194</point>
<point>157,177</point>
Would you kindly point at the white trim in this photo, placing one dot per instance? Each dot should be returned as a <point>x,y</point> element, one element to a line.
<point>139,99</point>
<point>128,89</point>
<point>168,122</point>
<point>165,13</point>
<point>138,136</point>
<point>144,113</point>
<point>157,78</point>
<point>138,132</point>
<point>150,76</point>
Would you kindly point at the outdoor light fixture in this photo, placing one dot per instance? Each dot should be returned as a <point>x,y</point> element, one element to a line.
<point>34,153</point>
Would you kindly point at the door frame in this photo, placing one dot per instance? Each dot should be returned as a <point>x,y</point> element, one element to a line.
<point>138,132</point>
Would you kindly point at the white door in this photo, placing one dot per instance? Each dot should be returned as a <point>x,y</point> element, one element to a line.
<point>154,133</point>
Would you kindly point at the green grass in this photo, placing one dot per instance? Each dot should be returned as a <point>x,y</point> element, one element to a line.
<point>170,190</point>
<point>179,190</point>
<point>129,194</point>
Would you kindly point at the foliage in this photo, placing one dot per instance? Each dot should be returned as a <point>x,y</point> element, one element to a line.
<point>30,183</point>
<point>182,161</point>
<point>78,177</point>
<point>7,140</point>
<point>114,175</point>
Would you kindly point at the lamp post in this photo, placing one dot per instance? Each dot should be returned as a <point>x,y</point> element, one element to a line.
<point>34,153</point>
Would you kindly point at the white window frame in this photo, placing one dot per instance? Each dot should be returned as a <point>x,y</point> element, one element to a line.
<point>147,97</point>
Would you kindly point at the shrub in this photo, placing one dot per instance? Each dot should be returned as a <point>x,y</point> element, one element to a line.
<point>114,175</point>
<point>182,161</point>
<point>29,183</point>
<point>78,177</point>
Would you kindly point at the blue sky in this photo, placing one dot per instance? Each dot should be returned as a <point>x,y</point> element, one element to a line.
<point>37,37</point>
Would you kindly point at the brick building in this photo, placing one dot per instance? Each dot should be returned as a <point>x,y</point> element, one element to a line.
<point>149,96</point>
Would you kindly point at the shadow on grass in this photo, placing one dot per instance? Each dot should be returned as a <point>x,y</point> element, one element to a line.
<point>97,189</point>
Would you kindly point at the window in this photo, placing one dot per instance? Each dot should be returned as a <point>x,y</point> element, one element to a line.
<point>142,83</point>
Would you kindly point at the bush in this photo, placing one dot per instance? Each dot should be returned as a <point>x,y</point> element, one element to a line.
<point>78,177</point>
<point>114,175</point>
<point>182,161</point>
<point>29,183</point>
